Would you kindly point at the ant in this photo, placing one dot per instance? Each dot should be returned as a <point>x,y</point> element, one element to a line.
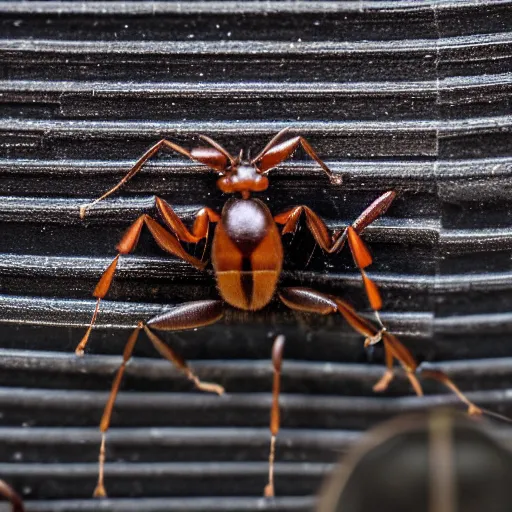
<point>10,494</point>
<point>247,258</point>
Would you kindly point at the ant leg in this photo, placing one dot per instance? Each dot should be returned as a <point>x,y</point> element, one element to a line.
<point>10,494</point>
<point>190,315</point>
<point>199,230</point>
<point>136,168</point>
<point>363,259</point>
<point>99,293</point>
<point>166,240</point>
<point>185,316</point>
<point>277,361</point>
<point>219,158</point>
<point>270,144</point>
<point>311,301</point>
<point>315,224</point>
<point>274,154</point>
<point>394,348</point>
<point>330,244</point>
<point>99,491</point>
<point>335,242</point>
<point>441,377</point>
<point>181,364</point>
<point>361,254</point>
<point>389,374</point>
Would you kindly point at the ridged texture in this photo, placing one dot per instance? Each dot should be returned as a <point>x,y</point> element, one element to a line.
<point>408,96</point>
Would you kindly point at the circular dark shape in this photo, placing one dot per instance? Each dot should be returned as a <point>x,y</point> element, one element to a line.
<point>437,462</point>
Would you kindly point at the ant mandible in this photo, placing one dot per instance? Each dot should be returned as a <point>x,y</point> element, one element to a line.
<point>247,258</point>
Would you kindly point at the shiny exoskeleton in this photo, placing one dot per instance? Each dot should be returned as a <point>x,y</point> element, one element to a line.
<point>247,257</point>
<point>247,254</point>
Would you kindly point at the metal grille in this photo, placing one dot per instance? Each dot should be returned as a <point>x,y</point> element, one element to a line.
<point>408,96</point>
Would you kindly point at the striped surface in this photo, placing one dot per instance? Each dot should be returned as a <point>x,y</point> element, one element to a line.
<point>408,96</point>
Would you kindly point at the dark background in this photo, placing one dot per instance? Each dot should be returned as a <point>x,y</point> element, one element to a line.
<point>408,96</point>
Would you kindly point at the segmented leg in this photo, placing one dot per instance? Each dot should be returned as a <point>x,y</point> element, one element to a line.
<point>277,361</point>
<point>363,259</point>
<point>186,316</point>
<point>441,377</point>
<point>388,375</point>
<point>10,494</point>
<point>335,242</point>
<point>273,154</point>
<point>168,241</point>
<point>136,168</point>
<point>200,228</point>
<point>215,157</point>
<point>311,301</point>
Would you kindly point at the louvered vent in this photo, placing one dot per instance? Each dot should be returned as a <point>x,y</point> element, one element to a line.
<point>409,96</point>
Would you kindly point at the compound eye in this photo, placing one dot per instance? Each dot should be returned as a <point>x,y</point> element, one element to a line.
<point>210,157</point>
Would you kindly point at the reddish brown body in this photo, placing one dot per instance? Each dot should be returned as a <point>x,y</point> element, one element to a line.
<point>247,257</point>
<point>247,254</point>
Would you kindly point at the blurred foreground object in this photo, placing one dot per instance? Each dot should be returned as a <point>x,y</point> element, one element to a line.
<point>437,462</point>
